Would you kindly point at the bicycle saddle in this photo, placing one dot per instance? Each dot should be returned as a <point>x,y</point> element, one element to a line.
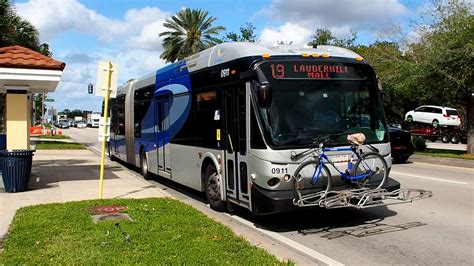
<point>356,139</point>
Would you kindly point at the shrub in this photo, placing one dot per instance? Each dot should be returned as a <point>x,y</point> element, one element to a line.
<point>420,143</point>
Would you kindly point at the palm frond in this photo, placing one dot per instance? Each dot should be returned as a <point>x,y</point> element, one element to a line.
<point>189,31</point>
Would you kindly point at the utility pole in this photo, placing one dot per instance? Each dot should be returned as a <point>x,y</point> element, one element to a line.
<point>470,125</point>
<point>42,96</point>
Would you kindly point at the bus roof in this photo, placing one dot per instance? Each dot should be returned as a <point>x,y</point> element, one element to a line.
<point>226,52</point>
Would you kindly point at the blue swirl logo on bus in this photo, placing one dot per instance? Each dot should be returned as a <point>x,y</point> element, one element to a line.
<point>175,108</point>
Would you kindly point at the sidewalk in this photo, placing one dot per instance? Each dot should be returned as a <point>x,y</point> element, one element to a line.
<point>72,175</point>
<point>442,161</point>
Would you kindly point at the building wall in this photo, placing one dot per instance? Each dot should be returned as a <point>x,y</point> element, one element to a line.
<point>18,121</point>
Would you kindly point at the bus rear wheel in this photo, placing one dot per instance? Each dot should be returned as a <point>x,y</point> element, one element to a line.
<point>213,188</point>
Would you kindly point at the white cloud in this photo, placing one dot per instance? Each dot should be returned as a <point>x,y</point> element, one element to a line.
<point>334,14</point>
<point>340,17</point>
<point>131,41</point>
<point>54,17</point>
<point>72,92</point>
<point>288,32</point>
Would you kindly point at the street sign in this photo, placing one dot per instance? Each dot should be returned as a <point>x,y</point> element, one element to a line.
<point>49,100</point>
<point>103,78</point>
<point>101,129</point>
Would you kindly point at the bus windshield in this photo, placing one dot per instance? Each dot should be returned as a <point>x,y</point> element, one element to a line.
<point>311,100</point>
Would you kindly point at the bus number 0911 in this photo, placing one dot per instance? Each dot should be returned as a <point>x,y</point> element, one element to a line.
<point>279,171</point>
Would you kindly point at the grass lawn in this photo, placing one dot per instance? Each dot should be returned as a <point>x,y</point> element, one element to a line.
<point>446,154</point>
<point>164,231</point>
<point>53,137</point>
<point>58,145</point>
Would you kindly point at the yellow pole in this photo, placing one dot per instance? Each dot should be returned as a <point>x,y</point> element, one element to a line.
<point>104,137</point>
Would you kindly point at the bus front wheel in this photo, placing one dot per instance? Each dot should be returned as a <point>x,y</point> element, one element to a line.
<point>213,188</point>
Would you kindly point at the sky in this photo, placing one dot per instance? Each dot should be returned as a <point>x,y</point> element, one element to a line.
<point>83,32</point>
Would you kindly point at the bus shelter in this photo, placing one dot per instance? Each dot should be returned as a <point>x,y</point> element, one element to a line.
<point>23,72</point>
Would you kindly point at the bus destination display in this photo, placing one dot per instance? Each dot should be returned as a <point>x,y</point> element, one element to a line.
<point>305,70</point>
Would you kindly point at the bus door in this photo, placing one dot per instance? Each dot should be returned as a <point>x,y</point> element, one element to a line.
<point>237,183</point>
<point>163,149</point>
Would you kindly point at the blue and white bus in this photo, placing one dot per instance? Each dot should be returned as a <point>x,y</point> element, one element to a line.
<point>225,121</point>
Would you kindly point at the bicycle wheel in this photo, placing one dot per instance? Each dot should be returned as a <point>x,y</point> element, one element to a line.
<point>372,163</point>
<point>305,189</point>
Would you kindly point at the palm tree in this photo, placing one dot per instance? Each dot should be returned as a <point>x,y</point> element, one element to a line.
<point>190,32</point>
<point>16,31</point>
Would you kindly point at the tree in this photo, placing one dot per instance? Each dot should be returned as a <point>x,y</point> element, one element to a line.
<point>38,100</point>
<point>17,31</point>
<point>190,31</point>
<point>247,34</point>
<point>324,36</point>
<point>397,75</point>
<point>436,69</point>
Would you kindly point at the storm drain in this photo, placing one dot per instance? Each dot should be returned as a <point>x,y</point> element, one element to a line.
<point>108,213</point>
<point>110,217</point>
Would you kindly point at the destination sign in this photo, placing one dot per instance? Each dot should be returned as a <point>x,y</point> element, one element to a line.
<point>312,70</point>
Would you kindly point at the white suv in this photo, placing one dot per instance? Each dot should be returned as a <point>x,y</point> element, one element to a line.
<point>434,115</point>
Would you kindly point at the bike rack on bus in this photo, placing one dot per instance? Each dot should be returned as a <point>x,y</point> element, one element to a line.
<point>362,198</point>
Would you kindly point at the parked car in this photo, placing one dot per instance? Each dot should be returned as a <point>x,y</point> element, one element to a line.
<point>81,124</point>
<point>434,115</point>
<point>63,125</point>
<point>402,146</point>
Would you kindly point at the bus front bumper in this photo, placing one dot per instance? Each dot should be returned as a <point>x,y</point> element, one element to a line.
<point>266,202</point>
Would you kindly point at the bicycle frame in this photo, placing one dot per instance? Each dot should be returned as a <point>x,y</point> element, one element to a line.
<point>344,175</point>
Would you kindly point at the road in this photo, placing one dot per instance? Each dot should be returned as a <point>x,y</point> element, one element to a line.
<point>438,230</point>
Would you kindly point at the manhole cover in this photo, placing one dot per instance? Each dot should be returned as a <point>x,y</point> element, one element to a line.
<point>110,217</point>
<point>106,209</point>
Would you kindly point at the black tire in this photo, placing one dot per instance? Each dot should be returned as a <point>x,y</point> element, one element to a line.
<point>144,166</point>
<point>109,149</point>
<point>303,185</point>
<point>374,162</point>
<point>400,159</point>
<point>445,138</point>
<point>454,139</point>
<point>213,189</point>
<point>433,139</point>
<point>435,123</point>
<point>409,118</point>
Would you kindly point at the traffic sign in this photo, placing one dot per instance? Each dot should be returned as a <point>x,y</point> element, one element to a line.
<point>49,100</point>
<point>101,129</point>
<point>103,76</point>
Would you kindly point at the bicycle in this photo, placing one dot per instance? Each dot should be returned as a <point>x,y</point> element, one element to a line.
<point>313,180</point>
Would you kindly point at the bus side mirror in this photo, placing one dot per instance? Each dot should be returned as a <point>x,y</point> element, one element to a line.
<point>264,95</point>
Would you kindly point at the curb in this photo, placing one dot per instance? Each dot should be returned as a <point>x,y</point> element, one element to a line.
<point>442,161</point>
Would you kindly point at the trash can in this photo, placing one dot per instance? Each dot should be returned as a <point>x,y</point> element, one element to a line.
<point>15,166</point>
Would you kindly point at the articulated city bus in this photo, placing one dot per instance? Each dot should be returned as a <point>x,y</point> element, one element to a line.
<point>226,121</point>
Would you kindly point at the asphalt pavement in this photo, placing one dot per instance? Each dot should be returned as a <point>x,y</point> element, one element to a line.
<point>438,230</point>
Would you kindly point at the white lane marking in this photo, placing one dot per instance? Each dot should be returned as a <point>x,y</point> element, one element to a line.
<point>95,149</point>
<point>430,178</point>
<point>303,249</point>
